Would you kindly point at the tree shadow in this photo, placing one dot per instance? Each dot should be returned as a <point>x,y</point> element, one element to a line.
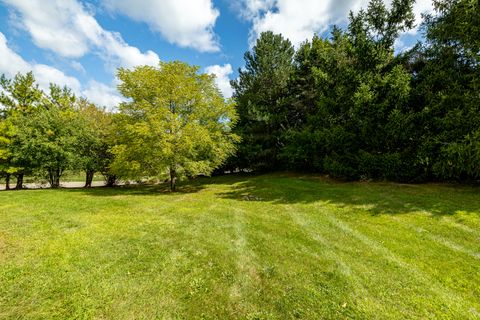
<point>138,189</point>
<point>375,197</point>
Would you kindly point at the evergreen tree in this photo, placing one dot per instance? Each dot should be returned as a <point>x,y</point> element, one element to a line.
<point>261,91</point>
<point>446,79</point>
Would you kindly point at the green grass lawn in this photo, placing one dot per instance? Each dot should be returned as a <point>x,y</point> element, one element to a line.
<point>262,247</point>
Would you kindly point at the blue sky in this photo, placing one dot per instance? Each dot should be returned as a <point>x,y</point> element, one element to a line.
<point>80,43</point>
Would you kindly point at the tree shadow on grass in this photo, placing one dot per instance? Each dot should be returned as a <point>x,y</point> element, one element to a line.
<point>373,197</point>
<point>289,188</point>
<point>137,189</point>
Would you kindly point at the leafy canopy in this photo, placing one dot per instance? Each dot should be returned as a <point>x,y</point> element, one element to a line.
<point>176,122</point>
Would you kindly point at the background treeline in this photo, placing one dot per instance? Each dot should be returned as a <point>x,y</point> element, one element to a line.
<point>45,134</point>
<point>349,107</point>
<point>345,105</point>
<point>174,124</point>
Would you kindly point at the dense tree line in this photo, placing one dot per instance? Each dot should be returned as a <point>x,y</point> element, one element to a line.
<point>174,124</point>
<point>45,134</point>
<point>350,107</point>
<point>345,105</point>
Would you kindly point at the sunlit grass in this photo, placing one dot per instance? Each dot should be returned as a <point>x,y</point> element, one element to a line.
<point>260,247</point>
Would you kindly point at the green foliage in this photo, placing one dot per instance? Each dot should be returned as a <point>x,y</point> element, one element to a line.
<point>19,97</point>
<point>47,137</point>
<point>45,134</point>
<point>95,140</point>
<point>6,134</point>
<point>346,106</point>
<point>353,96</point>
<point>260,93</point>
<point>355,110</point>
<point>447,82</point>
<point>177,122</point>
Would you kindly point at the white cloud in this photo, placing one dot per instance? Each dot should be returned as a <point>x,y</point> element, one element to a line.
<point>401,46</point>
<point>78,67</point>
<point>222,78</point>
<point>420,6</point>
<point>46,74</point>
<point>299,20</point>
<point>112,47</point>
<point>102,95</point>
<point>296,20</point>
<point>51,26</point>
<point>66,28</point>
<point>11,63</point>
<point>188,23</point>
<point>250,9</point>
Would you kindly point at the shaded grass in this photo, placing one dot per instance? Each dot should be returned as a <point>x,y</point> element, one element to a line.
<point>247,247</point>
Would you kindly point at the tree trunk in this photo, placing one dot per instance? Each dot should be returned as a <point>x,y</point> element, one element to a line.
<point>89,178</point>
<point>111,180</point>
<point>19,181</point>
<point>7,181</point>
<point>50,178</point>
<point>173,179</point>
<point>54,178</point>
<point>59,174</point>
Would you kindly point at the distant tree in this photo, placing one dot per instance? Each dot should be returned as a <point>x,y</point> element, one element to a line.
<point>6,167</point>
<point>261,91</point>
<point>94,140</point>
<point>19,97</point>
<point>48,136</point>
<point>177,122</point>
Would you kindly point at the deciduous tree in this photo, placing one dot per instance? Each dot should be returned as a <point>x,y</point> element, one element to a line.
<point>176,122</point>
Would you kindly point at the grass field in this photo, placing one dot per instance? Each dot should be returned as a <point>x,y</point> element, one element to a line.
<point>262,247</point>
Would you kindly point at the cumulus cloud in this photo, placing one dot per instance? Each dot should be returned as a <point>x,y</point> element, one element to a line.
<point>250,9</point>
<point>78,67</point>
<point>222,78</point>
<point>46,74</point>
<point>301,19</point>
<point>68,29</point>
<point>102,95</point>
<point>12,63</point>
<point>420,7</point>
<point>188,23</point>
<point>297,20</point>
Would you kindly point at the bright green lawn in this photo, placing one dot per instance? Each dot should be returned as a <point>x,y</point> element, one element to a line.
<point>266,247</point>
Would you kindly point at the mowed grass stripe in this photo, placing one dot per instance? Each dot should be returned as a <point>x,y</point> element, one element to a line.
<point>324,249</point>
<point>377,279</point>
<point>449,297</point>
<point>437,268</point>
<point>434,247</point>
<point>241,247</point>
